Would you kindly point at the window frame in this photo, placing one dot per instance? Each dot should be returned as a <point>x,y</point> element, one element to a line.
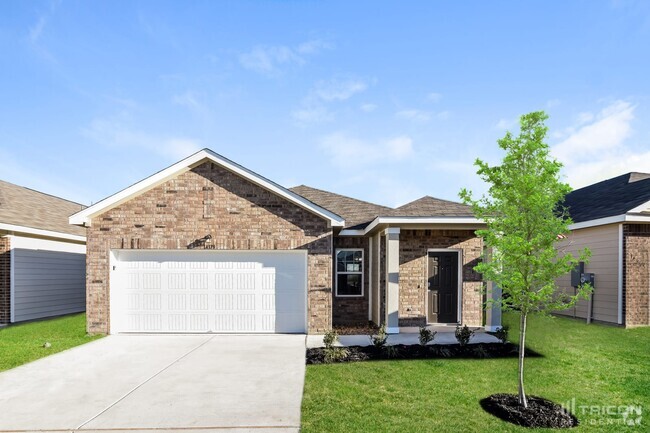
<point>337,272</point>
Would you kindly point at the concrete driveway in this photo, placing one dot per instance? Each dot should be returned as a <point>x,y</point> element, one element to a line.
<point>167,383</point>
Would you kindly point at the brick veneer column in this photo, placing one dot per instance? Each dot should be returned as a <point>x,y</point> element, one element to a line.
<point>636,271</point>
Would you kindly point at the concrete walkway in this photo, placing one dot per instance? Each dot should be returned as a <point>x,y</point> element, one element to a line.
<point>445,335</point>
<point>205,383</point>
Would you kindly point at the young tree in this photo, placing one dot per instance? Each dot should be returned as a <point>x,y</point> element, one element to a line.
<point>525,218</point>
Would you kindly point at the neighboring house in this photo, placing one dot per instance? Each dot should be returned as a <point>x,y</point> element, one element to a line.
<point>207,245</point>
<point>612,219</point>
<point>42,257</point>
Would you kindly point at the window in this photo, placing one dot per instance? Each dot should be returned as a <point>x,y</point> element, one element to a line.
<point>349,273</point>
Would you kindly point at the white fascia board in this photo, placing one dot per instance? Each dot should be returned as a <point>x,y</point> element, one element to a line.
<point>40,232</point>
<point>84,217</point>
<point>410,220</point>
<point>421,220</point>
<point>625,218</point>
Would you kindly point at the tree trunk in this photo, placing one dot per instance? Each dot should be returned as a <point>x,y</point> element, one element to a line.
<point>522,347</point>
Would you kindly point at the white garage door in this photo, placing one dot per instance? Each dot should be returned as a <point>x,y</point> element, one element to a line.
<point>209,291</point>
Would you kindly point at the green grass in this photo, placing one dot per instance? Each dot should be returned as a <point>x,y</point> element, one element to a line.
<point>23,343</point>
<point>595,364</point>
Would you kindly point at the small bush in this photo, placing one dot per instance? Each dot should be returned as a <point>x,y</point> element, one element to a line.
<point>390,351</point>
<point>502,334</point>
<point>463,334</point>
<point>335,354</point>
<point>330,338</point>
<point>480,352</point>
<point>379,339</point>
<point>426,335</point>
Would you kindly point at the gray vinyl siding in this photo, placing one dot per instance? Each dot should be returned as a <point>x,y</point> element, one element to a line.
<point>48,283</point>
<point>602,241</point>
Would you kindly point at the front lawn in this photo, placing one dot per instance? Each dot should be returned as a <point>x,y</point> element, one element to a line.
<point>23,343</point>
<point>597,365</point>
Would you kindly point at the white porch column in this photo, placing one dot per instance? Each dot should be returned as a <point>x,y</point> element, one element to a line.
<point>392,280</point>
<point>493,309</point>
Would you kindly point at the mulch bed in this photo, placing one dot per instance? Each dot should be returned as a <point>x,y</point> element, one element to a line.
<point>540,413</point>
<point>359,329</point>
<point>415,351</point>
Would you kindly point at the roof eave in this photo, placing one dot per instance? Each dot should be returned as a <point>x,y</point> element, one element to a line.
<point>16,229</point>
<point>616,219</point>
<point>416,221</point>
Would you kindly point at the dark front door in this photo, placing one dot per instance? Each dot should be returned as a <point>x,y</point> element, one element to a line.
<point>443,288</point>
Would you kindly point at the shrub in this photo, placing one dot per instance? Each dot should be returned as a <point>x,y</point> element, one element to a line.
<point>390,351</point>
<point>335,354</point>
<point>330,338</point>
<point>502,334</point>
<point>379,340</point>
<point>426,335</point>
<point>463,334</point>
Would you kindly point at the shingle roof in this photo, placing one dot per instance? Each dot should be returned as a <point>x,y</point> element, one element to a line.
<point>431,206</point>
<point>610,197</point>
<point>28,208</point>
<point>358,213</point>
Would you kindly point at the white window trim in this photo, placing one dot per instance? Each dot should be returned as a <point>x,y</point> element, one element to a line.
<point>336,272</point>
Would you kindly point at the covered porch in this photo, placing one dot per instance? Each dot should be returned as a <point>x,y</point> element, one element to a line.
<point>416,272</point>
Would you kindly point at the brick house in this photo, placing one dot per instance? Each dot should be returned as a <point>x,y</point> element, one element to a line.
<point>207,245</point>
<point>42,257</point>
<point>612,219</point>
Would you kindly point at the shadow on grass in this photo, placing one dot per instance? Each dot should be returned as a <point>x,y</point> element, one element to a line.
<point>406,352</point>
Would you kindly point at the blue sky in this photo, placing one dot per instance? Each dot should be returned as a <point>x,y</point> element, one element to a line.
<point>383,101</point>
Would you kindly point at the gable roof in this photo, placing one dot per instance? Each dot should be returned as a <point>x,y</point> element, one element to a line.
<point>431,206</point>
<point>362,216</point>
<point>26,210</point>
<point>85,216</point>
<point>357,213</point>
<point>628,193</point>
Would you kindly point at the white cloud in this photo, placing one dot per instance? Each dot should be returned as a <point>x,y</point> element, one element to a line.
<point>314,46</point>
<point>347,151</point>
<point>116,132</point>
<point>611,127</point>
<point>434,97</point>
<point>595,148</point>
<point>414,115</point>
<point>36,30</point>
<point>368,108</point>
<point>504,124</point>
<point>314,107</point>
<point>313,114</point>
<point>338,89</point>
<point>269,60</point>
<point>553,103</point>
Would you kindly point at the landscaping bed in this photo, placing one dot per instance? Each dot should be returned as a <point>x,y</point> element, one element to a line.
<point>415,351</point>
<point>540,413</point>
<point>358,329</point>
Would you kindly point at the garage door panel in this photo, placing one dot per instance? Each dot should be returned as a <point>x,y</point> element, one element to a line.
<point>195,291</point>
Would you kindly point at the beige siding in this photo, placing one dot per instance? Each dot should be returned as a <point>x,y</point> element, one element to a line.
<point>603,243</point>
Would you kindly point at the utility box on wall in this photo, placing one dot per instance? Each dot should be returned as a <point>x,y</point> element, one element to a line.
<point>580,277</point>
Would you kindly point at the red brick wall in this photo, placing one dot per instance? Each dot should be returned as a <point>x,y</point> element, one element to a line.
<point>413,273</point>
<point>209,200</point>
<point>352,311</point>
<point>636,271</point>
<point>5,274</point>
